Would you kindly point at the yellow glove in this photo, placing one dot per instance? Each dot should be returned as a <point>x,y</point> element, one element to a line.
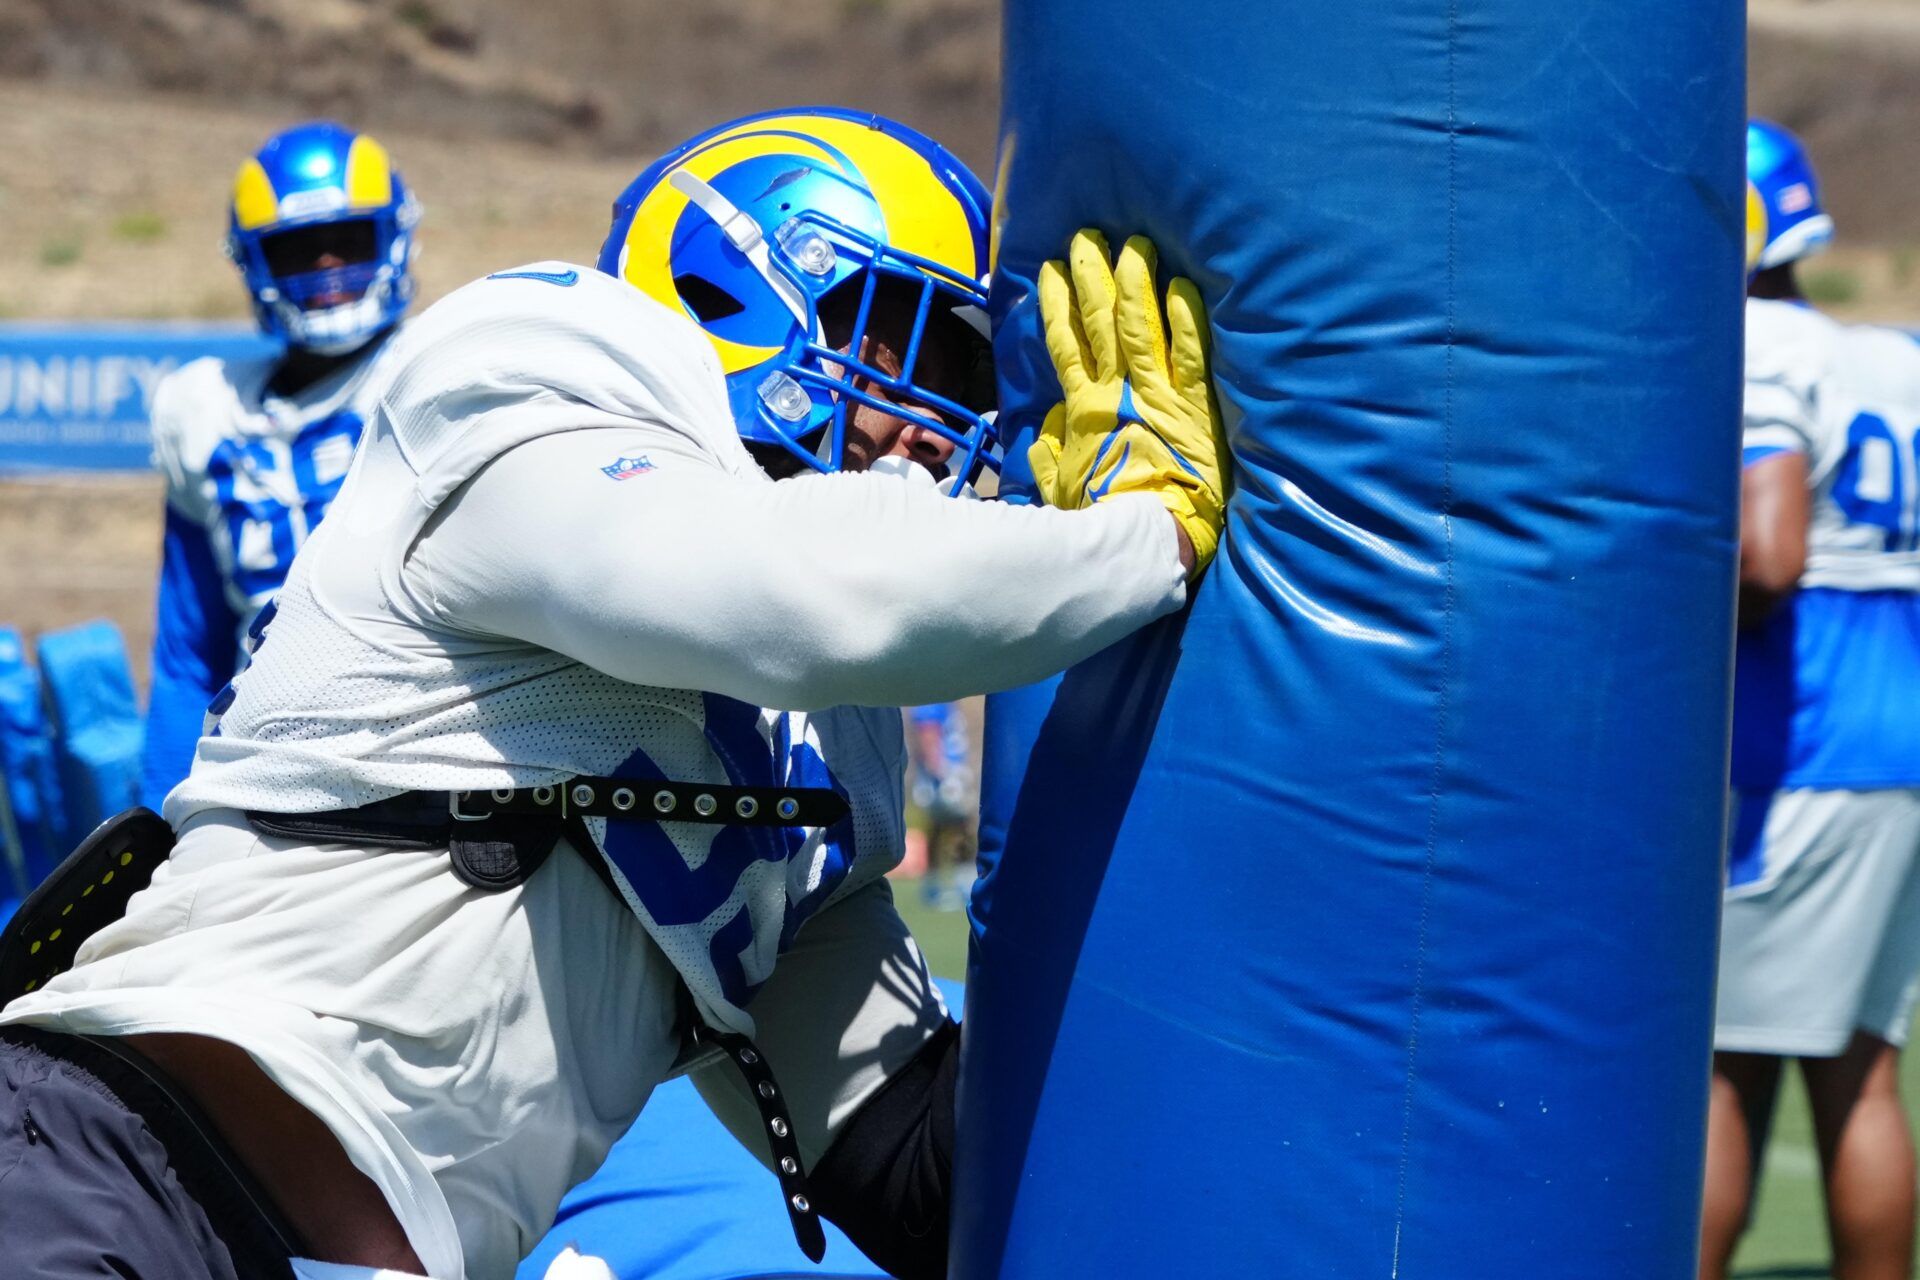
<point>1139,416</point>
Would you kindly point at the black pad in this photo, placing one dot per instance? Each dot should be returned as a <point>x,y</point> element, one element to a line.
<point>85,894</point>
<point>887,1180</point>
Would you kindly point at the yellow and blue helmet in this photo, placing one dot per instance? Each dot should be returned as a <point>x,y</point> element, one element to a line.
<point>1778,169</point>
<point>792,236</point>
<point>321,227</point>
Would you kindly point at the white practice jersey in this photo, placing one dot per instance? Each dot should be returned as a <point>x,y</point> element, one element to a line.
<point>1847,396</point>
<point>617,589</point>
<point>1824,684</point>
<point>256,470</point>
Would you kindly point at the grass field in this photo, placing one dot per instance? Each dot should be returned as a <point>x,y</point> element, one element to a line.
<point>1788,1240</point>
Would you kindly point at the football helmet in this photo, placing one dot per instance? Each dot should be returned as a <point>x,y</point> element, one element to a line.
<point>790,237</point>
<point>1778,169</point>
<point>316,192</point>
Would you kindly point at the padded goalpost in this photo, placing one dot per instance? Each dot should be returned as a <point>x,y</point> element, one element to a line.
<point>1361,921</point>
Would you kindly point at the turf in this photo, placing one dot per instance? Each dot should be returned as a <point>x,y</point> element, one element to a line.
<point>1788,1240</point>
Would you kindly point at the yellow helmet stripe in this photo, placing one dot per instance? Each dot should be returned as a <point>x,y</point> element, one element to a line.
<point>1756,226</point>
<point>254,202</point>
<point>922,216</point>
<point>369,174</point>
<point>735,356</point>
<point>647,266</point>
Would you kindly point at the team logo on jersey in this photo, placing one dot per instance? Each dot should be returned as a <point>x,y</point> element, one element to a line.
<point>627,468</point>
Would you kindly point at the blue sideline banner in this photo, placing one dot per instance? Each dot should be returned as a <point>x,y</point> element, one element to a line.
<point>76,397</point>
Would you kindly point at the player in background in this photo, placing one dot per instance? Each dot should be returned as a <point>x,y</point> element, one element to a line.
<point>321,227</point>
<point>945,798</point>
<point>1820,943</point>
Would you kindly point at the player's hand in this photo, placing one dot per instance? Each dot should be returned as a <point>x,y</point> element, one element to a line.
<point>1139,416</point>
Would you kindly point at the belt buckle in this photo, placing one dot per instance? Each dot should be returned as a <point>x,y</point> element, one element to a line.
<point>454,811</point>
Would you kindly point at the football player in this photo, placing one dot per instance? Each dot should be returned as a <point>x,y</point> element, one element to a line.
<point>1820,945</point>
<point>941,786</point>
<point>321,227</point>
<point>498,822</point>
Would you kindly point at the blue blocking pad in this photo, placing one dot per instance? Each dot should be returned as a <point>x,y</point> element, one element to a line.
<point>33,824</point>
<point>89,692</point>
<point>1360,921</point>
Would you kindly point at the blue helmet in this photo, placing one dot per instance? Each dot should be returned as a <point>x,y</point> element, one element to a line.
<point>1777,166</point>
<point>319,190</point>
<point>786,236</point>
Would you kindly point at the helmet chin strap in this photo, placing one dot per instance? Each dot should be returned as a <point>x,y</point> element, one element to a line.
<point>744,234</point>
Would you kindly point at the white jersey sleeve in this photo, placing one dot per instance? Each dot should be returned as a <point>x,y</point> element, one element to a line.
<point>812,592</point>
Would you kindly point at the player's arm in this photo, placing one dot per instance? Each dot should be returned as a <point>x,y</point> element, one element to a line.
<point>194,654</point>
<point>1774,510</point>
<point>1779,417</point>
<point>867,589</point>
<point>806,593</point>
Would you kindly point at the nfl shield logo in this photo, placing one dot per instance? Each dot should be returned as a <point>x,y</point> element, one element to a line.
<point>627,468</point>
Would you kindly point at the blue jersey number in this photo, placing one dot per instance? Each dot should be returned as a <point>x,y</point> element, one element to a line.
<point>676,894</point>
<point>1871,484</point>
<point>260,530</point>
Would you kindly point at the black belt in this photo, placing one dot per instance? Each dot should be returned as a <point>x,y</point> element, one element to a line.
<point>653,800</point>
<point>242,1215</point>
<point>498,838</point>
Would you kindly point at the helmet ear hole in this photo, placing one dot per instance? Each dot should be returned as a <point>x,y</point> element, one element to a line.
<point>706,299</point>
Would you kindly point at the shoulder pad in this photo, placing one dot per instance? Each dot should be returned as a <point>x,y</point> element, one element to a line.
<point>555,329</point>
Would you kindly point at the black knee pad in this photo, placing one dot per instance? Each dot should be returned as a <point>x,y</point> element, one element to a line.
<point>887,1179</point>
